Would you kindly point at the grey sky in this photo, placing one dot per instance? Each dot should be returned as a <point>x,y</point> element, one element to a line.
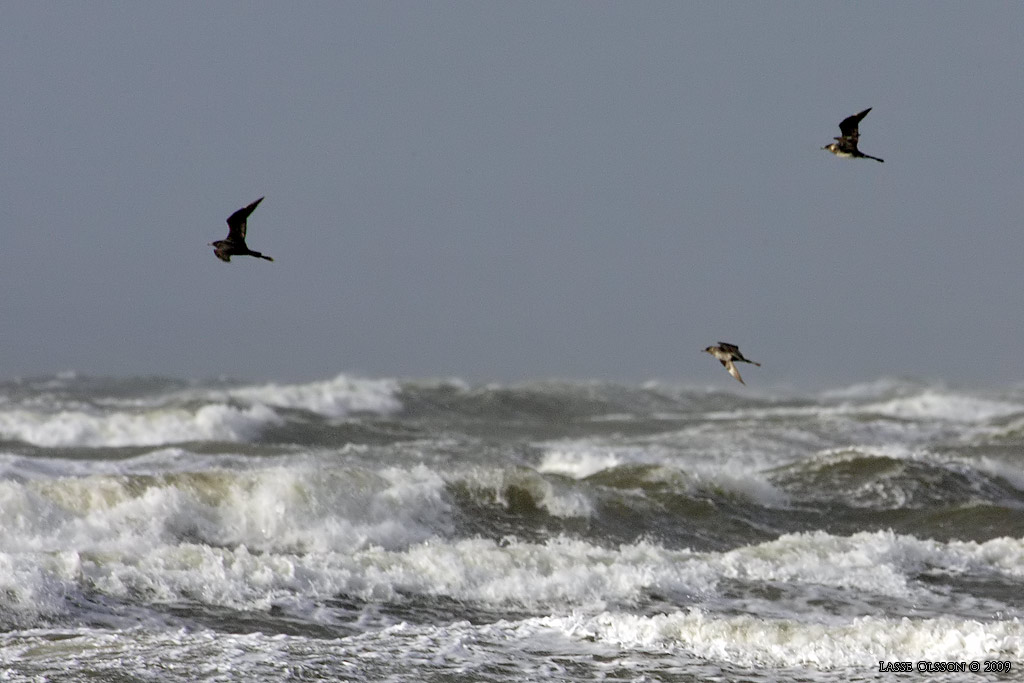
<point>513,190</point>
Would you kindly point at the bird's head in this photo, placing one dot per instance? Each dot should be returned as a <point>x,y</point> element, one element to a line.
<point>709,349</point>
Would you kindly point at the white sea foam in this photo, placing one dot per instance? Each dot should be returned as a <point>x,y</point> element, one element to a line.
<point>34,588</point>
<point>942,406</point>
<point>1009,470</point>
<point>382,532</point>
<point>321,533</point>
<point>761,434</point>
<point>894,451</point>
<point>588,590</point>
<point>297,507</point>
<point>336,397</point>
<point>312,533</point>
<point>580,459</point>
<point>873,390</point>
<point>148,428</point>
<point>558,500</point>
<point>920,405</point>
<point>781,643</point>
<point>222,415</point>
<point>1011,429</point>
<point>553,648</point>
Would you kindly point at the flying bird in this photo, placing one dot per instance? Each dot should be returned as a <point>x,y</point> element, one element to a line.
<point>726,354</point>
<point>234,243</point>
<point>846,145</point>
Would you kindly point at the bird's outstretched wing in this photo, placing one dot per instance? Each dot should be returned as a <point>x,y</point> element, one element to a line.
<point>237,221</point>
<point>848,126</point>
<point>733,371</point>
<point>731,348</point>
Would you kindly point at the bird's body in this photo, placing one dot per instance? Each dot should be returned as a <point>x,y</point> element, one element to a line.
<point>726,354</point>
<point>846,145</point>
<point>234,244</point>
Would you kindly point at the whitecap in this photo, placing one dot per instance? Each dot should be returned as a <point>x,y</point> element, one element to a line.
<point>82,428</point>
<point>751,641</point>
<point>941,406</point>
<point>337,397</point>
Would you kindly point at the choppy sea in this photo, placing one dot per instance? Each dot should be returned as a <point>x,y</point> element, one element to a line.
<point>359,529</point>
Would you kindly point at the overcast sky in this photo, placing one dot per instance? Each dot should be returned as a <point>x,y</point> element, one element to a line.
<point>513,190</point>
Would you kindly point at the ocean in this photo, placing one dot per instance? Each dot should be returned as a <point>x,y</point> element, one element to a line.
<point>361,529</point>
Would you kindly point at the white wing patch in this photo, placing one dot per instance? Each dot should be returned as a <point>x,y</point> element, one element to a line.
<point>733,371</point>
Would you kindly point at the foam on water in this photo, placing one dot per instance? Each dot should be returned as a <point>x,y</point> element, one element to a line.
<point>184,655</point>
<point>935,405</point>
<point>921,417</point>
<point>558,500</point>
<point>253,537</point>
<point>782,643</point>
<point>755,439</point>
<point>873,390</point>
<point>403,545</point>
<point>923,404</point>
<point>1007,470</point>
<point>581,459</point>
<point>584,597</point>
<point>336,397</point>
<point>232,415</point>
<point>610,645</point>
<point>67,428</point>
<point>293,506</point>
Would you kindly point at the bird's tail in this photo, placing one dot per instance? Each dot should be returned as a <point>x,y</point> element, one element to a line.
<point>262,256</point>
<point>868,156</point>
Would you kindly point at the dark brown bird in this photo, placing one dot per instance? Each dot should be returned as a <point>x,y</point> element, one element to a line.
<point>726,354</point>
<point>234,244</point>
<point>846,145</point>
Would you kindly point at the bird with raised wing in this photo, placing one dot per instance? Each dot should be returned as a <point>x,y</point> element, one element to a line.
<point>726,354</point>
<point>846,144</point>
<point>234,244</point>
